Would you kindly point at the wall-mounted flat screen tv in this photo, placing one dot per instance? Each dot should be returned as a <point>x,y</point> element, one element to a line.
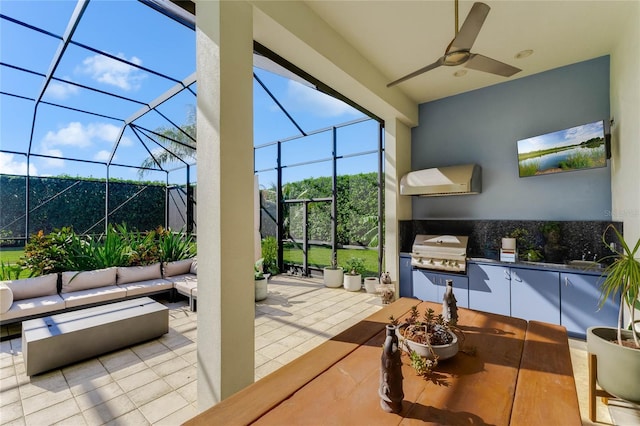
<point>577,148</point>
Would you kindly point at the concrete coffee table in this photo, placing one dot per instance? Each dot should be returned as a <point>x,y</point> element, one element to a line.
<point>57,340</point>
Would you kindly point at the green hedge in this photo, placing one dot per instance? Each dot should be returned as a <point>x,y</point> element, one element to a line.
<point>79,203</point>
<point>357,208</point>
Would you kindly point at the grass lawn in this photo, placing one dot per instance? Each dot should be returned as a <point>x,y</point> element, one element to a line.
<point>10,256</point>
<point>321,256</point>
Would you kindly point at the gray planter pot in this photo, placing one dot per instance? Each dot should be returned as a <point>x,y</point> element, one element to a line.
<point>332,277</point>
<point>352,282</point>
<point>261,289</point>
<point>618,369</point>
<point>371,284</point>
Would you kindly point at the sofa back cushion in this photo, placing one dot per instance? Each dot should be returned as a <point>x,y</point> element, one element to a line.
<point>178,267</point>
<point>194,266</point>
<point>84,280</point>
<point>28,288</point>
<point>132,274</point>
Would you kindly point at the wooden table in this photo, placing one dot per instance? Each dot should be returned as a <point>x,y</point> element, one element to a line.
<point>337,383</point>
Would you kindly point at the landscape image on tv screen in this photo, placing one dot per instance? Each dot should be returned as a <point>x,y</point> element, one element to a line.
<point>577,148</point>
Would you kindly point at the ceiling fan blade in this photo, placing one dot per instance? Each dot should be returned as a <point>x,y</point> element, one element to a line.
<point>429,67</point>
<point>470,28</point>
<point>483,63</point>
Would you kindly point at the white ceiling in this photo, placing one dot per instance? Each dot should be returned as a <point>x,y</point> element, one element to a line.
<point>399,37</point>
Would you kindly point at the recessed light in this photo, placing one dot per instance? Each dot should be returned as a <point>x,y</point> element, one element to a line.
<point>460,73</point>
<point>524,54</point>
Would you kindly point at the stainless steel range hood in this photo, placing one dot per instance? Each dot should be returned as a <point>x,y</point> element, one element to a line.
<point>440,181</point>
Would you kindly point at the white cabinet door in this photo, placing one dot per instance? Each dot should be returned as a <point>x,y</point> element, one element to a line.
<point>489,288</point>
<point>535,295</point>
<point>580,308</point>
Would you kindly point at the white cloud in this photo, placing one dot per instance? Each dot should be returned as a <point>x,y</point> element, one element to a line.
<point>53,162</point>
<point>102,155</point>
<point>60,90</point>
<point>81,136</point>
<point>74,134</point>
<point>9,165</point>
<point>126,141</point>
<point>306,99</point>
<point>114,73</point>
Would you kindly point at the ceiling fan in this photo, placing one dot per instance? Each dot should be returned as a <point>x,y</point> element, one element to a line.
<point>459,50</point>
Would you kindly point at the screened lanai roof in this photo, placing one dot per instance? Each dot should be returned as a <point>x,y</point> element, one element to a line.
<point>99,81</point>
<point>93,82</point>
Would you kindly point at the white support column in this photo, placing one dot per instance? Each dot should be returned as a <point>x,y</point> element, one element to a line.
<point>224,48</point>
<point>397,155</point>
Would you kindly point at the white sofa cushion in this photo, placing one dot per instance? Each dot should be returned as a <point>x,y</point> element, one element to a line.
<point>93,295</point>
<point>131,274</point>
<point>28,288</point>
<point>177,267</point>
<point>33,306</point>
<point>6,298</point>
<point>185,283</point>
<point>75,281</point>
<point>194,266</point>
<point>148,286</point>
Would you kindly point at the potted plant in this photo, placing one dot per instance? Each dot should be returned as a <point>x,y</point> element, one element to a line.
<point>260,281</point>
<point>618,350</point>
<point>332,275</point>
<point>353,277</point>
<point>430,337</point>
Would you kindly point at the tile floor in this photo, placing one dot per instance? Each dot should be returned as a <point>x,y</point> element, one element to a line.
<point>155,382</point>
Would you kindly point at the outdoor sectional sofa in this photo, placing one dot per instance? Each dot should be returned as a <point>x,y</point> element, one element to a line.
<point>28,298</point>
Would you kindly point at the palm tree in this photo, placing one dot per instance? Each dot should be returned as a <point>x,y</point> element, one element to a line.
<point>178,143</point>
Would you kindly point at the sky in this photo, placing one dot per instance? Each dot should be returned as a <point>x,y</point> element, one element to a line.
<point>566,137</point>
<point>145,38</point>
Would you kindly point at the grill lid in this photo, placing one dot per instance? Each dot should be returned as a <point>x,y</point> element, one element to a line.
<point>440,252</point>
<point>444,246</point>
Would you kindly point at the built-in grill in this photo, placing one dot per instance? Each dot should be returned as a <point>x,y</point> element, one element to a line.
<point>440,252</point>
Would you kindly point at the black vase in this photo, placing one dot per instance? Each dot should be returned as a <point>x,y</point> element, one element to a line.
<point>390,391</point>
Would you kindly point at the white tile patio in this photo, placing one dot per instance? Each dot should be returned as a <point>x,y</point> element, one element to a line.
<point>155,382</point>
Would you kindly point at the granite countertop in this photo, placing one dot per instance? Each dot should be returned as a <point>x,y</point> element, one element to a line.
<point>592,269</point>
<point>561,267</point>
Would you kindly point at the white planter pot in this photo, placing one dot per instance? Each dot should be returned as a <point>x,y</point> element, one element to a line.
<point>371,284</point>
<point>443,351</point>
<point>261,289</point>
<point>618,367</point>
<point>353,282</point>
<point>332,277</point>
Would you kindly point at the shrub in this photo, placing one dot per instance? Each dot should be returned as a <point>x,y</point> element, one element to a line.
<point>10,271</point>
<point>64,250</point>
<point>45,254</point>
<point>270,255</point>
<point>175,245</point>
<point>354,266</point>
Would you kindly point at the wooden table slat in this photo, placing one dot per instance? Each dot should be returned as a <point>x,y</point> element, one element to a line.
<point>546,389</point>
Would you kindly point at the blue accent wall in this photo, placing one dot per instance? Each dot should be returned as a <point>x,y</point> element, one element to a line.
<point>483,127</point>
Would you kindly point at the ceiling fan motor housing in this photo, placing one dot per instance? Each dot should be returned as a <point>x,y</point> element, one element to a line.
<point>458,57</point>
